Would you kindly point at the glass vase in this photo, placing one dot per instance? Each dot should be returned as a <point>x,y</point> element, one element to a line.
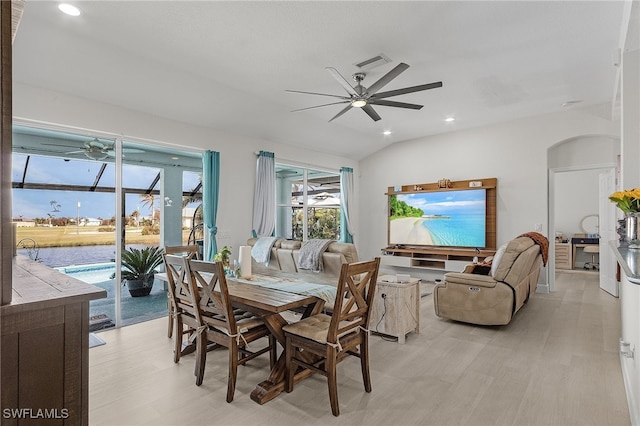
<point>633,230</point>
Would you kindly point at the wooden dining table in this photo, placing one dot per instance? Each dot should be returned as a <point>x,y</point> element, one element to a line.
<point>269,304</point>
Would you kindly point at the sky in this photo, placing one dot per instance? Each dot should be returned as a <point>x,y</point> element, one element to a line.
<point>34,203</point>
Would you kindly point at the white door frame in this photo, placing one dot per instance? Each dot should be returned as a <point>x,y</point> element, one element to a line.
<point>551,264</point>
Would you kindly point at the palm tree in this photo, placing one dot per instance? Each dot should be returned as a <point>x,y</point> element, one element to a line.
<point>149,200</point>
<point>136,216</point>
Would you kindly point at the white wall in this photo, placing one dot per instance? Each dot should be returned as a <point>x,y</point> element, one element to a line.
<point>237,153</point>
<point>576,196</point>
<point>514,152</point>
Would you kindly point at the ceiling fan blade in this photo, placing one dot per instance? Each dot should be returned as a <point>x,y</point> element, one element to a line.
<point>407,90</point>
<point>318,106</point>
<point>75,152</point>
<point>340,79</point>
<point>385,79</point>
<point>319,94</point>
<point>371,112</point>
<point>62,146</point>
<point>131,150</point>
<point>384,102</point>
<point>347,108</point>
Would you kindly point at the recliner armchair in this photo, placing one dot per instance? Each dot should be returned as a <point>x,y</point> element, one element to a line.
<point>495,298</point>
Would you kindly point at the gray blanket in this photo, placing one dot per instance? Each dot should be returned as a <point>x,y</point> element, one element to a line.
<point>310,256</point>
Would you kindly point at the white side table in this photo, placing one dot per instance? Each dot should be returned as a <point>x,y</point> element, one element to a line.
<point>396,307</point>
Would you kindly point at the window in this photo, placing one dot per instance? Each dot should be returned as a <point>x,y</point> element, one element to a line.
<point>307,203</point>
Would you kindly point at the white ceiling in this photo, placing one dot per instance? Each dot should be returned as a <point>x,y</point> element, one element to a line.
<point>226,65</point>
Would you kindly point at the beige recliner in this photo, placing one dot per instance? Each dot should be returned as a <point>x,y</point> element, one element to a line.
<point>495,298</point>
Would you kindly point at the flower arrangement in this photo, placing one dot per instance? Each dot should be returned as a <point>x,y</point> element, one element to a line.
<point>628,200</point>
<point>223,256</point>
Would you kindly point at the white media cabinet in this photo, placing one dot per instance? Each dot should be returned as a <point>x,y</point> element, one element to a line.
<point>440,259</point>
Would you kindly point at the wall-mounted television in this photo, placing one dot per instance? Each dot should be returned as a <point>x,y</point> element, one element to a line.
<point>448,218</point>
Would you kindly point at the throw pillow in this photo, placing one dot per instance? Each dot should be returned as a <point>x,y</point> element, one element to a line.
<point>481,269</point>
<point>497,258</point>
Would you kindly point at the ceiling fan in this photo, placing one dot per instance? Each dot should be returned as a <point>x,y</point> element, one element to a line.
<point>96,150</point>
<point>362,97</point>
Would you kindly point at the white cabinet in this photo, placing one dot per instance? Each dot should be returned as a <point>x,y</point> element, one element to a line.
<point>439,259</point>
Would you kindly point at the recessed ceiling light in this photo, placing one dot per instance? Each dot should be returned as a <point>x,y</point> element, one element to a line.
<point>69,9</point>
<point>449,119</point>
<point>175,158</point>
<point>386,132</point>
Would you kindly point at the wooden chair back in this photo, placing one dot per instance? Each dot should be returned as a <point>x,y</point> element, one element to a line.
<point>192,251</point>
<point>354,297</point>
<point>180,290</point>
<point>214,307</point>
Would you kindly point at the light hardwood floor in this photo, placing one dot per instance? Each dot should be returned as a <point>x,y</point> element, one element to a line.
<point>557,363</point>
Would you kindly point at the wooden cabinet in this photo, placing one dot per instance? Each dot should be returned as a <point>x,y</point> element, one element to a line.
<point>396,307</point>
<point>563,256</point>
<point>45,347</point>
<point>442,259</point>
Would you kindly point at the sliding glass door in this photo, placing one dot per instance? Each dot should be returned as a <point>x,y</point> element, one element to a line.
<point>79,200</point>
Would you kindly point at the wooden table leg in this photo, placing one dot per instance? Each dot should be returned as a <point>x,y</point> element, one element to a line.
<point>271,387</point>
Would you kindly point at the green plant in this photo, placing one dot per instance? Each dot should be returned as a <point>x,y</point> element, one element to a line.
<point>223,255</point>
<point>140,264</point>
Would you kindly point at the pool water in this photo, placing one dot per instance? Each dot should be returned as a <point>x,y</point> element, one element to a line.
<point>133,309</point>
<point>92,273</point>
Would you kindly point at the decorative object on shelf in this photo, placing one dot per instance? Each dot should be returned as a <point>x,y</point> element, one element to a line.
<point>417,188</point>
<point>444,183</point>
<point>629,202</point>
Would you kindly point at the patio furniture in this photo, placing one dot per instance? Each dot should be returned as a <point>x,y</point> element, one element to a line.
<point>192,251</point>
<point>218,322</point>
<point>332,338</point>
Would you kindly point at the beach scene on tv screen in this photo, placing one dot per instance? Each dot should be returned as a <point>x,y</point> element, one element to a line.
<point>447,218</point>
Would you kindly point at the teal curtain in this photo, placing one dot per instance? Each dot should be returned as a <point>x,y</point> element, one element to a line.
<point>264,196</point>
<point>346,193</point>
<point>210,194</point>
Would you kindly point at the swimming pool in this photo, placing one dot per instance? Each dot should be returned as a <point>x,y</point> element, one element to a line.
<point>132,309</point>
<point>92,273</point>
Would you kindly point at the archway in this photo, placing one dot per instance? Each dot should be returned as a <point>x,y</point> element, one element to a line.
<point>574,167</point>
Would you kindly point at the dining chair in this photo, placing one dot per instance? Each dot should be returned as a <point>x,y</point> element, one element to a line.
<point>219,323</point>
<point>192,251</point>
<point>332,338</point>
<point>181,299</point>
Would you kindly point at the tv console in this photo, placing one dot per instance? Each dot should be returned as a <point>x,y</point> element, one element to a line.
<point>434,258</point>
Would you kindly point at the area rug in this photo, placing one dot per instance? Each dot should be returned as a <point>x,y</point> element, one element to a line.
<point>100,322</point>
<point>95,340</point>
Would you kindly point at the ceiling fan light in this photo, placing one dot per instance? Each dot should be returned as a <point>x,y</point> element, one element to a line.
<point>96,155</point>
<point>358,103</point>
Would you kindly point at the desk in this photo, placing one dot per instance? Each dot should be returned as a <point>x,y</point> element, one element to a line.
<point>577,243</point>
<point>269,304</point>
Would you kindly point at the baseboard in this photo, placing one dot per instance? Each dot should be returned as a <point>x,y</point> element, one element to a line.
<point>542,288</point>
<point>634,412</point>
